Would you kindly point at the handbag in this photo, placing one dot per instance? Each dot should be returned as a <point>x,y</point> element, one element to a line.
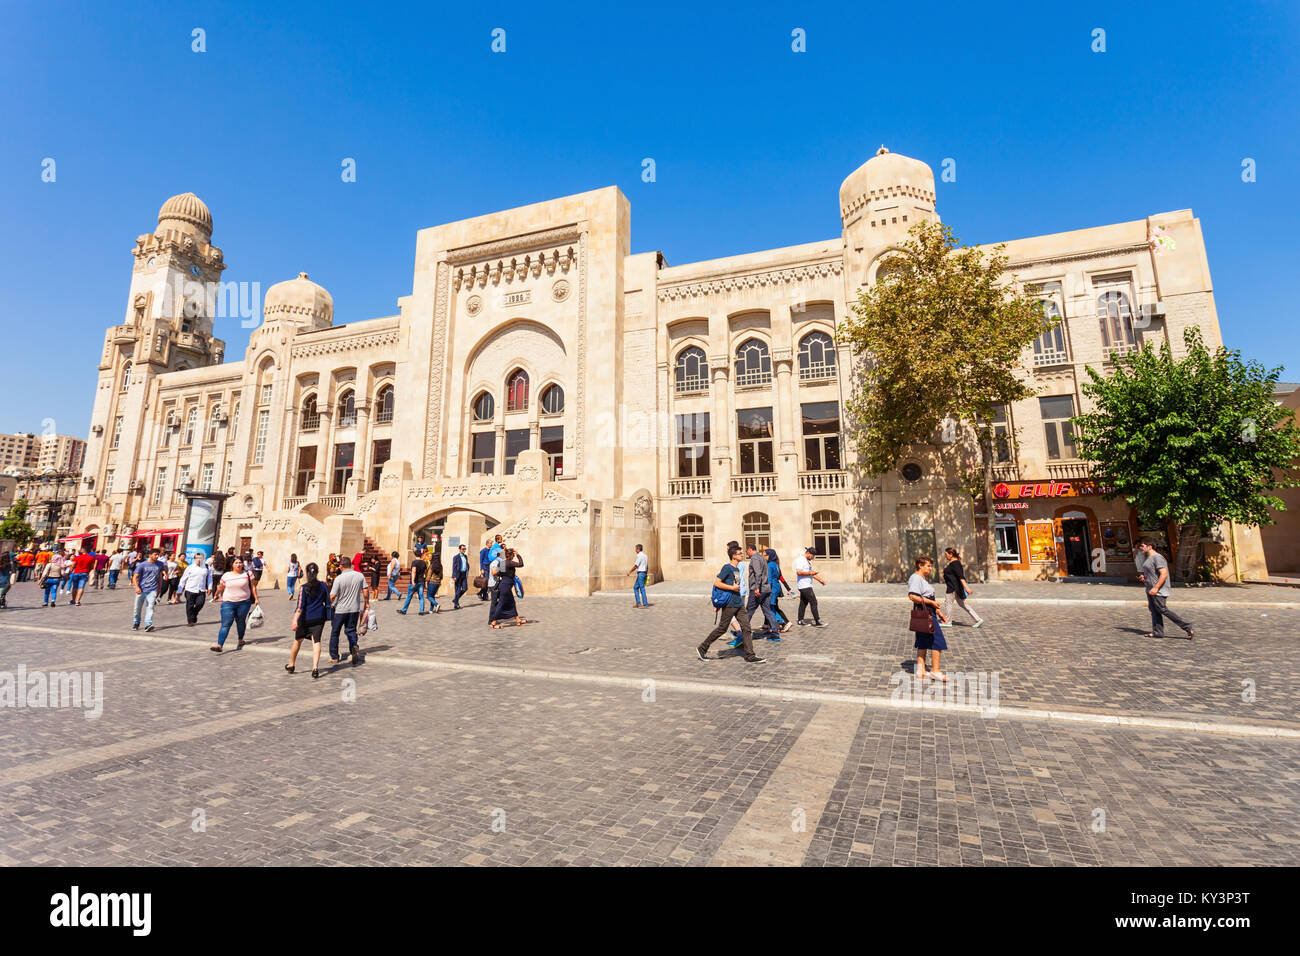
<point>922,619</point>
<point>480,582</point>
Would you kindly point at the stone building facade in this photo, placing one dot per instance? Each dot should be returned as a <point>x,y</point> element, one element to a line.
<point>544,382</point>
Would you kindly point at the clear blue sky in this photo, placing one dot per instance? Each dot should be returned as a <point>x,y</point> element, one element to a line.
<point>751,140</point>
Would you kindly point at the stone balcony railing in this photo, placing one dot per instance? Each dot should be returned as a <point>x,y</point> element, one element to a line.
<point>290,503</point>
<point>822,481</point>
<point>753,485</point>
<point>690,487</point>
<point>1065,470</point>
<point>336,502</point>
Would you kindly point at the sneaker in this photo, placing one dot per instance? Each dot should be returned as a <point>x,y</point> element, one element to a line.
<point>773,637</point>
<point>802,623</point>
<point>356,656</point>
<point>819,624</point>
<point>699,652</point>
<point>755,660</point>
<point>149,627</point>
<point>736,643</point>
<point>979,623</point>
<point>135,627</point>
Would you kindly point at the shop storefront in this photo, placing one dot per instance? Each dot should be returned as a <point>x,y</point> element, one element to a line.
<point>1052,529</point>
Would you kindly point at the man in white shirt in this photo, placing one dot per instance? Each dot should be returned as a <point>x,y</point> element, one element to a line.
<point>115,568</point>
<point>641,567</point>
<point>803,569</point>
<point>195,583</point>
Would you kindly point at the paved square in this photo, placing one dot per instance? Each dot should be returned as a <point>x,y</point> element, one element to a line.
<point>595,737</point>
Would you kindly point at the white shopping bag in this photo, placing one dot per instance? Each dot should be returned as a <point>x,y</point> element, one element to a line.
<point>255,617</point>
<point>372,620</point>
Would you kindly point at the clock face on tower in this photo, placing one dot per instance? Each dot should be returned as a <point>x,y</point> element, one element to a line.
<point>195,271</point>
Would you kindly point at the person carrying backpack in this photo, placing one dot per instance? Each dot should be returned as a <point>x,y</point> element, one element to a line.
<point>728,597</point>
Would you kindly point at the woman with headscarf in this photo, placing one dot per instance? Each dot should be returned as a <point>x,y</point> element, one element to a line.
<point>777,581</point>
<point>504,566</point>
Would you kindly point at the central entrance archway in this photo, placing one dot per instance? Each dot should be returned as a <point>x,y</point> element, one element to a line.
<point>446,529</point>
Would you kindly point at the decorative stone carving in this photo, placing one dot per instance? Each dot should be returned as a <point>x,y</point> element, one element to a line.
<point>643,508</point>
<point>755,280</point>
<point>560,290</point>
<point>580,412</point>
<point>437,359</point>
<point>528,473</point>
<point>348,344</point>
<point>474,305</point>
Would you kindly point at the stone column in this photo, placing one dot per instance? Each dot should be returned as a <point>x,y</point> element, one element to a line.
<point>499,449</point>
<point>362,453</point>
<point>325,439</point>
<point>787,462</point>
<point>720,422</point>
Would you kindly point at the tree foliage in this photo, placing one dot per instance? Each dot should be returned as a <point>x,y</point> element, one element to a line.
<point>941,336</point>
<point>1196,440</point>
<point>14,526</point>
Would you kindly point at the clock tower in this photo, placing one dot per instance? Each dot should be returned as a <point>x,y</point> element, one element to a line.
<point>167,328</point>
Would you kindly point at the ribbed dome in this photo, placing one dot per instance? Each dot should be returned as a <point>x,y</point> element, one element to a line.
<point>186,208</point>
<point>886,176</point>
<point>299,301</point>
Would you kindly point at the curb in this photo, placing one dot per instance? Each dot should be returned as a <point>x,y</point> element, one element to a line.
<point>1061,602</point>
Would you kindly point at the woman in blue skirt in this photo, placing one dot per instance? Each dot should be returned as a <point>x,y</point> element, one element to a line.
<point>921,591</point>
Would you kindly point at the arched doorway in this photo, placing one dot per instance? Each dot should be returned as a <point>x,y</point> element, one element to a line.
<point>446,529</point>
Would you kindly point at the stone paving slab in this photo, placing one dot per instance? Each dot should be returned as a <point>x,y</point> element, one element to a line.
<point>1084,659</point>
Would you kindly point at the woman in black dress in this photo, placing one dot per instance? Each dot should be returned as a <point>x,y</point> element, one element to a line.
<point>505,608</point>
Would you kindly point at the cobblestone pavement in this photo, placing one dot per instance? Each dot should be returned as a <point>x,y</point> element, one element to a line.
<point>228,760</point>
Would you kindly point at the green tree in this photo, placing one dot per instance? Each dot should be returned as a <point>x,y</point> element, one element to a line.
<point>14,526</point>
<point>1196,440</point>
<point>941,337</point>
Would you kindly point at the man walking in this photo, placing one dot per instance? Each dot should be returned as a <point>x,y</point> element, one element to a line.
<point>640,568</point>
<point>418,571</point>
<point>805,575</point>
<point>1155,578</point>
<point>350,600</point>
<point>101,568</point>
<point>147,579</point>
<point>758,589</point>
<point>394,572</point>
<point>483,562</point>
<point>729,580</point>
<point>459,576</point>
<point>195,583</point>
<point>115,568</point>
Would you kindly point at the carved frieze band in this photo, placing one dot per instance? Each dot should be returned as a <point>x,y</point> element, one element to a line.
<point>753,280</point>
<point>437,352</point>
<point>371,340</point>
<point>580,418</point>
<point>501,247</point>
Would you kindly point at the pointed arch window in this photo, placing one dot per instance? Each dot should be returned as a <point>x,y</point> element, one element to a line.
<point>1116,317</point>
<point>691,373</point>
<point>347,409</point>
<point>385,403</point>
<point>310,415</point>
<point>517,391</point>
<point>753,364</point>
<point>191,424</point>
<point>126,376</point>
<point>816,357</point>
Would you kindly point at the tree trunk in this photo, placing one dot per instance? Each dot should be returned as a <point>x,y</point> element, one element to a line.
<point>991,546</point>
<point>1187,560</point>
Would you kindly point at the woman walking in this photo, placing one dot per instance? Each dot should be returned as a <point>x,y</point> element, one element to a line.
<point>372,570</point>
<point>504,567</point>
<point>237,593</point>
<point>309,619</point>
<point>332,570</point>
<point>926,616</point>
<point>435,575</point>
<point>6,574</point>
<point>49,577</point>
<point>954,578</point>
<point>291,574</point>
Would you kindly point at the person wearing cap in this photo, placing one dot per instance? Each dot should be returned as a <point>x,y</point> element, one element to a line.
<point>805,576</point>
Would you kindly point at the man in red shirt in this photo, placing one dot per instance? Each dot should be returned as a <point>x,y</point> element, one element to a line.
<point>82,565</point>
<point>101,567</point>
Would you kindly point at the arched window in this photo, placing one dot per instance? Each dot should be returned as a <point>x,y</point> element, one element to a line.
<point>756,530</point>
<point>384,404</point>
<point>310,414</point>
<point>1116,318</point>
<point>692,372</point>
<point>485,407</point>
<point>753,364</point>
<point>826,534</point>
<point>553,400</point>
<point>690,538</point>
<point>191,421</point>
<point>126,376</point>
<point>347,409</point>
<point>517,391</point>
<point>816,357</point>
<point>1049,348</point>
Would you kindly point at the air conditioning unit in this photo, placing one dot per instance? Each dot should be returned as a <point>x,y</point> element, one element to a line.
<point>173,420</point>
<point>98,430</point>
<point>137,485</point>
<point>221,416</point>
<point>1152,310</point>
